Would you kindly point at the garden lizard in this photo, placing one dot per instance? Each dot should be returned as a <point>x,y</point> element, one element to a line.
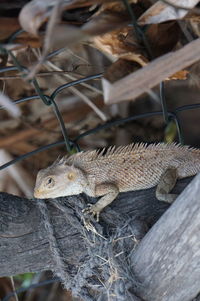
<point>105,174</point>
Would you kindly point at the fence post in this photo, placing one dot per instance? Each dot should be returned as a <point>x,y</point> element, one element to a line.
<point>167,261</point>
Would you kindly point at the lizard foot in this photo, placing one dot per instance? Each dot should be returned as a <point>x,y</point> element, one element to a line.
<point>93,210</point>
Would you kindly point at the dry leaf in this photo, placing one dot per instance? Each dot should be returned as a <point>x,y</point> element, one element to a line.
<point>19,175</point>
<point>121,43</point>
<point>161,12</point>
<point>104,22</point>
<point>111,15</point>
<point>163,37</point>
<point>35,13</point>
<point>9,26</point>
<point>119,69</point>
<point>139,82</point>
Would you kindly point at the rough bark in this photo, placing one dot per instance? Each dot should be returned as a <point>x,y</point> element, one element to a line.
<point>24,243</point>
<point>167,261</point>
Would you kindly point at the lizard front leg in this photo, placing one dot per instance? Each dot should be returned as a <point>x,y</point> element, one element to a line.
<point>109,192</point>
<point>166,184</point>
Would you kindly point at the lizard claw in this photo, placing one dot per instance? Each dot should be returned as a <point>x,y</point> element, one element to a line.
<point>93,210</point>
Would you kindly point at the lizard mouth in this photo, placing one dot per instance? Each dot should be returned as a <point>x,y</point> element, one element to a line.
<point>37,194</point>
<point>42,194</point>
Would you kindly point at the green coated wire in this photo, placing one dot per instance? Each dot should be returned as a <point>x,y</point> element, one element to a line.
<point>87,133</point>
<point>163,103</point>
<point>62,125</point>
<point>16,62</point>
<point>75,82</point>
<point>46,100</point>
<point>14,35</point>
<point>137,29</point>
<point>50,100</point>
<point>10,68</point>
<point>141,37</point>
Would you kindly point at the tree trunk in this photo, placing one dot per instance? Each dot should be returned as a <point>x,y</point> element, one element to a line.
<point>167,261</point>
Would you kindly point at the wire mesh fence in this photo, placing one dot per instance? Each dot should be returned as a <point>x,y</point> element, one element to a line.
<point>50,100</point>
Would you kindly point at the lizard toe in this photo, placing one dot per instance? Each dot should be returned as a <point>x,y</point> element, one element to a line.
<point>93,210</point>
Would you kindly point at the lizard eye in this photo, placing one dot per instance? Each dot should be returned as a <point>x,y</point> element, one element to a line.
<point>49,182</point>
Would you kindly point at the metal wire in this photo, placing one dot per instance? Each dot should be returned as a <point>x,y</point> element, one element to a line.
<point>139,33</point>
<point>74,142</point>
<point>62,125</point>
<point>163,103</point>
<point>14,35</point>
<point>49,100</point>
<point>74,83</point>
<point>11,68</point>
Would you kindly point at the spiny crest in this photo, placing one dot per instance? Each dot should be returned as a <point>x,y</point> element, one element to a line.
<point>81,156</point>
<point>58,161</point>
<point>121,150</point>
<point>103,154</point>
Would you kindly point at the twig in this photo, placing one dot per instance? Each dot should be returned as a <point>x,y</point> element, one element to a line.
<point>58,72</point>
<point>24,135</point>
<point>81,95</point>
<point>47,41</point>
<point>23,180</point>
<point>13,287</point>
<point>57,69</point>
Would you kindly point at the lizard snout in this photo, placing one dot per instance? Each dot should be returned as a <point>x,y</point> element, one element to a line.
<point>37,193</point>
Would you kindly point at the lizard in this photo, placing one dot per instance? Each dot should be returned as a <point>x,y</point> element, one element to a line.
<point>105,174</point>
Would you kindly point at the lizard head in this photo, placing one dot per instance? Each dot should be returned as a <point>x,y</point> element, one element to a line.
<point>58,180</point>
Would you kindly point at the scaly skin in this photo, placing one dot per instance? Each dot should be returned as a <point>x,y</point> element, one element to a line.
<point>133,167</point>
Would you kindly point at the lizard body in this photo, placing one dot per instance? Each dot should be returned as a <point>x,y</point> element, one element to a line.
<point>126,168</point>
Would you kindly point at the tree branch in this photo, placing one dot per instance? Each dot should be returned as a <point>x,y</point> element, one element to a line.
<point>24,245</point>
<point>165,262</point>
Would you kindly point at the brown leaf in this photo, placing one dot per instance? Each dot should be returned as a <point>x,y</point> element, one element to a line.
<point>121,43</point>
<point>139,82</point>
<point>111,15</point>
<point>119,69</point>
<point>34,14</point>
<point>163,37</point>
